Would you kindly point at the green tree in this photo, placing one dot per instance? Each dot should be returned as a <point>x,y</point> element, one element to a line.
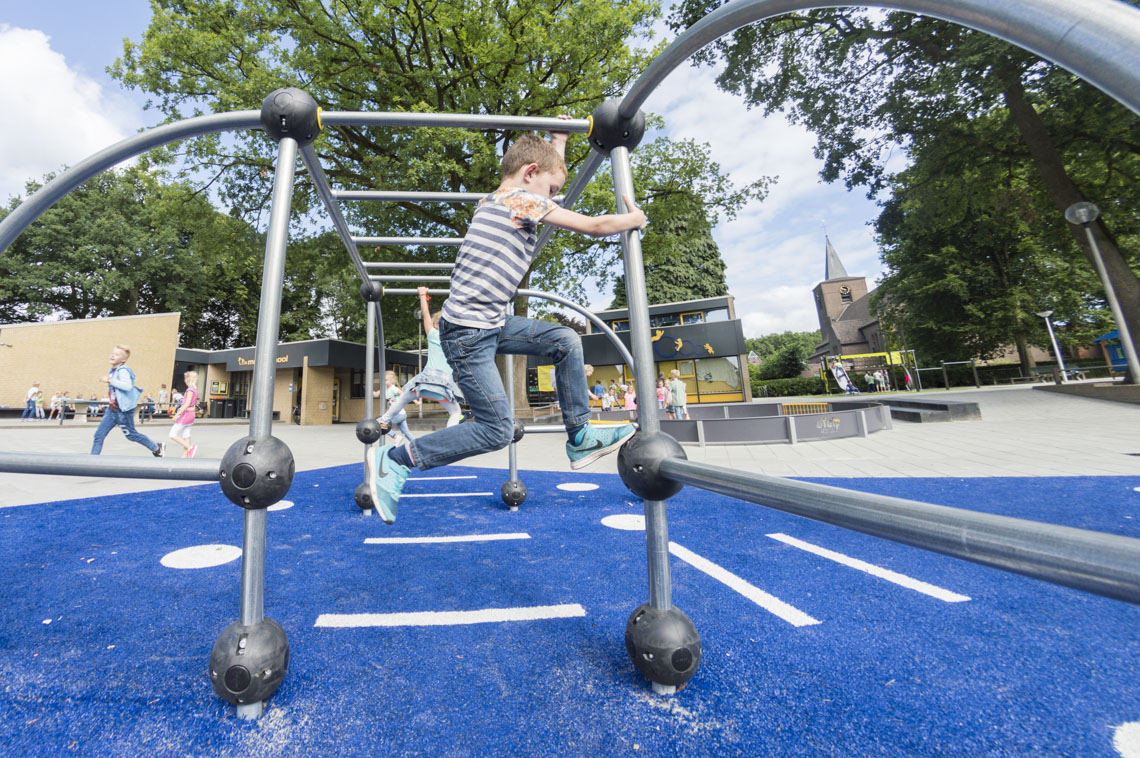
<point>866,82</point>
<point>783,355</point>
<point>970,262</point>
<point>529,58</point>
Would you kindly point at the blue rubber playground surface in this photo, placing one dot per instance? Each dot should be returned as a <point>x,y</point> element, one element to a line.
<point>810,648</point>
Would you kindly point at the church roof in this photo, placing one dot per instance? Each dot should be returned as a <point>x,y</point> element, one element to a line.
<point>832,267</point>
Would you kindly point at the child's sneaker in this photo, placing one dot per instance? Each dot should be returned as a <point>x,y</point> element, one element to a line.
<point>159,451</point>
<point>190,453</point>
<point>385,481</point>
<point>597,441</point>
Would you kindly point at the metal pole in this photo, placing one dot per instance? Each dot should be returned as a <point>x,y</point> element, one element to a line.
<point>370,361</point>
<point>456,120</point>
<point>1103,564</point>
<point>512,451</point>
<point>403,241</point>
<point>1056,347</point>
<point>917,373</point>
<point>261,402</point>
<point>407,266</point>
<point>656,524</point>
<point>422,197</point>
<point>945,376</point>
<point>321,183</point>
<point>1114,304</point>
<point>1094,39</point>
<point>974,367</point>
<point>120,466</point>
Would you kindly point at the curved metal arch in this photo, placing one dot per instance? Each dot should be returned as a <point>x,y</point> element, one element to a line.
<point>1098,40</point>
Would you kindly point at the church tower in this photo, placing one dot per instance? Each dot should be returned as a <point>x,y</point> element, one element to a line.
<point>841,304</point>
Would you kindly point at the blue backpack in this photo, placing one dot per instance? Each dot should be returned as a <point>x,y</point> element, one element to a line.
<point>128,399</point>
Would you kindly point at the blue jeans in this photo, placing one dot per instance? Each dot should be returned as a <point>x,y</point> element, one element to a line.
<point>471,354</point>
<point>125,420</point>
<point>29,411</point>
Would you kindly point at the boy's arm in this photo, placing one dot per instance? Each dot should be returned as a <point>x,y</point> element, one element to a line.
<point>597,226</point>
<point>118,383</point>
<point>558,139</point>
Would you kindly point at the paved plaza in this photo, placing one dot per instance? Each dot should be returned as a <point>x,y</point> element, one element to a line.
<point>1022,432</point>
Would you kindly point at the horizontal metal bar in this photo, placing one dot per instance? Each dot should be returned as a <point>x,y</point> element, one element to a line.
<point>1103,564</point>
<point>457,120</point>
<point>115,466</point>
<point>321,182</point>
<point>419,197</point>
<point>544,428</point>
<point>386,266</point>
<point>408,240</point>
<point>410,278</point>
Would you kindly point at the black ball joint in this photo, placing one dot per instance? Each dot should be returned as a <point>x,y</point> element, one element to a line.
<point>608,129</point>
<point>257,472</point>
<point>371,292</point>
<point>639,463</point>
<point>291,112</point>
<point>513,493</point>
<point>663,645</point>
<point>520,430</point>
<point>248,663</point>
<point>369,431</point>
<point>362,497</point>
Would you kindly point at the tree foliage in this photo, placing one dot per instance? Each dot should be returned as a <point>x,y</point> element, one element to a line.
<point>527,58</point>
<point>783,355</point>
<point>869,83</point>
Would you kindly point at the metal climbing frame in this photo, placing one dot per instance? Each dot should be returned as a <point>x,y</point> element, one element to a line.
<point>1096,40</point>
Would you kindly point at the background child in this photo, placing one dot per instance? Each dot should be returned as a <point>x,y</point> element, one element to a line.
<point>184,417</point>
<point>476,326</point>
<point>434,382</point>
<point>678,396</point>
<point>122,397</point>
<point>661,393</point>
<point>630,397</point>
<point>391,393</point>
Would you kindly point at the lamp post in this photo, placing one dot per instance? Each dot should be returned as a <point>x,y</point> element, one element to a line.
<point>1056,349</point>
<point>1085,213</point>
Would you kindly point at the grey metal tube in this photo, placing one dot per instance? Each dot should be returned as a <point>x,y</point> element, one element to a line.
<point>49,194</point>
<point>418,197</point>
<point>324,190</point>
<point>606,330</point>
<point>457,120</point>
<point>1103,564</point>
<point>120,466</point>
<point>656,522</point>
<point>1114,306</point>
<point>512,451</point>
<point>408,240</point>
<point>370,359</point>
<point>411,278</point>
<point>1094,39</point>
<point>264,370</point>
<point>386,266</point>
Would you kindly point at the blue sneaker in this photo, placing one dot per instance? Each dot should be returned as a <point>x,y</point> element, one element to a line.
<point>385,482</point>
<point>596,442</point>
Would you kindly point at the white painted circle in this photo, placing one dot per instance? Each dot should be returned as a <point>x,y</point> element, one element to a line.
<point>1136,489</point>
<point>1126,739</point>
<point>283,505</point>
<point>629,522</point>
<point>201,556</point>
<point>577,486</point>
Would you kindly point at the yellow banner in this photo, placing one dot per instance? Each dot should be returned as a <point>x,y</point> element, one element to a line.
<point>895,357</point>
<point>546,379</point>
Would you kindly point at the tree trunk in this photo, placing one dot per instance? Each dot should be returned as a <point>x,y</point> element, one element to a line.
<point>1025,355</point>
<point>1051,168</point>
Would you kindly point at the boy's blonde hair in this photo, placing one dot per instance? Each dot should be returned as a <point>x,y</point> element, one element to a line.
<point>125,348</point>
<point>675,373</point>
<point>530,148</point>
<point>191,378</point>
<point>388,374</point>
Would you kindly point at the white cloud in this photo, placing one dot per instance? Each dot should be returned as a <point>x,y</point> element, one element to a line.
<point>774,249</point>
<point>55,116</point>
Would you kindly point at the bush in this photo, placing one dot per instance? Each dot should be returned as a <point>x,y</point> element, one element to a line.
<point>787,387</point>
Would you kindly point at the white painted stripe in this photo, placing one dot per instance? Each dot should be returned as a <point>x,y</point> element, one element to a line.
<point>438,478</point>
<point>456,538</point>
<point>445,494</point>
<point>770,603</point>
<point>891,576</point>
<point>450,618</point>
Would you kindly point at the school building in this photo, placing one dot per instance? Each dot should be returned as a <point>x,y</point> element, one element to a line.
<point>322,380</point>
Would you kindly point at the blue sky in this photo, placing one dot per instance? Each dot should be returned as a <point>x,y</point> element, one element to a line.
<point>62,106</point>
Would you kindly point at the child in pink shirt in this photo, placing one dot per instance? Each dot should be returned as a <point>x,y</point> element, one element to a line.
<point>185,415</point>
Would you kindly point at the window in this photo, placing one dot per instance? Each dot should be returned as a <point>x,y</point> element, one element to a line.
<point>663,320</point>
<point>356,383</point>
<point>717,314</point>
<point>620,325</point>
<point>696,317</point>
<point>719,379</point>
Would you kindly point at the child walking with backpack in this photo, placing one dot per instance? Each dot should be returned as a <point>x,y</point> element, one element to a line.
<point>123,397</point>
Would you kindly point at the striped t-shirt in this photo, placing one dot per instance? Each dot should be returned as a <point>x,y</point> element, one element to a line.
<point>494,257</point>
